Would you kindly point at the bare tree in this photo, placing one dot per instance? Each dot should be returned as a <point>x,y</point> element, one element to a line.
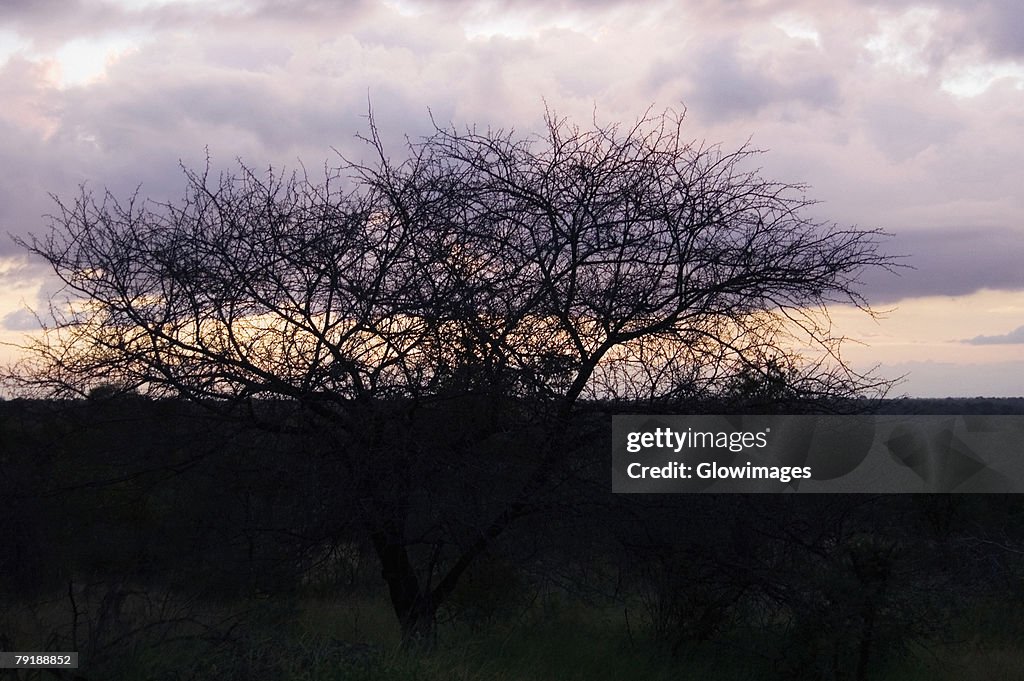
<point>488,281</point>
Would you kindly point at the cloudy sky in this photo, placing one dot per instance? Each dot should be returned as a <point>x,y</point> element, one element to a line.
<point>906,116</point>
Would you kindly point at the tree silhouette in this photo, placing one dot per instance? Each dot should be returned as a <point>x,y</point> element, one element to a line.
<point>488,282</point>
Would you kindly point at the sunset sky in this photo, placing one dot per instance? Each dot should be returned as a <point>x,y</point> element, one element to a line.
<point>904,116</point>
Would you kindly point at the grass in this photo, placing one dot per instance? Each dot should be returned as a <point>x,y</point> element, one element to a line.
<point>968,663</point>
<point>356,637</point>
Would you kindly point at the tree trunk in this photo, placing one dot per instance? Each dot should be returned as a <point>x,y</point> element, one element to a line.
<point>413,605</point>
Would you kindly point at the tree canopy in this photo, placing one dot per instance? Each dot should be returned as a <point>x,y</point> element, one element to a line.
<point>607,262</point>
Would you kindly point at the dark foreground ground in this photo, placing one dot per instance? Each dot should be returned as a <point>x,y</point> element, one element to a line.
<point>161,543</point>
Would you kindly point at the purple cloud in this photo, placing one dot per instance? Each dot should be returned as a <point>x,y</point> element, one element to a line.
<point>1012,338</point>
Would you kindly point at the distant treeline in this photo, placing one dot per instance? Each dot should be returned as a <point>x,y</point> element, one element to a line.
<point>953,405</point>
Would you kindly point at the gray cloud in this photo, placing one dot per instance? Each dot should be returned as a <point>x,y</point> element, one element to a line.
<point>903,129</point>
<point>20,320</point>
<point>725,86</point>
<point>995,25</point>
<point>1003,24</point>
<point>948,262</point>
<point>49,23</point>
<point>1012,338</point>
